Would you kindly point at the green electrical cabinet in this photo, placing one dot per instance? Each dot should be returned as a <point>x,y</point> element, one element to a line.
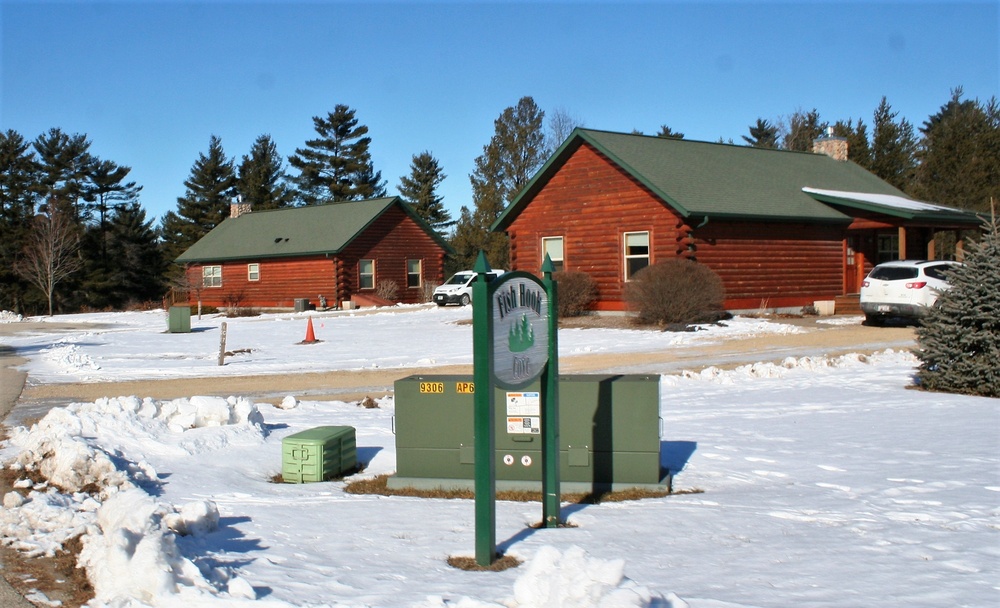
<point>318,454</point>
<point>609,433</point>
<point>179,320</point>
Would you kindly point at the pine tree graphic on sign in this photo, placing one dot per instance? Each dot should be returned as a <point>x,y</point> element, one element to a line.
<point>521,336</point>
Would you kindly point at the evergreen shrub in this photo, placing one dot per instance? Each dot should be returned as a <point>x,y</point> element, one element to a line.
<point>676,292</point>
<point>959,340</point>
<point>576,292</point>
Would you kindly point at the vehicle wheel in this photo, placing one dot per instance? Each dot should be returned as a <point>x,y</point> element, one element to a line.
<point>466,300</point>
<point>874,320</point>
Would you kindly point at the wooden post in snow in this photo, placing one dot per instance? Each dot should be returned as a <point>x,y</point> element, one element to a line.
<point>222,344</point>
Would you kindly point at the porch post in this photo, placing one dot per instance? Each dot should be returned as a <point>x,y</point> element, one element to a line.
<point>931,251</point>
<point>902,243</point>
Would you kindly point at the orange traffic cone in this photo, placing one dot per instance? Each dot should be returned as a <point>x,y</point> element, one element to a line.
<point>310,336</point>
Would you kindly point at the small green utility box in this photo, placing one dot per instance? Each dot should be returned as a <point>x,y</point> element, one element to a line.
<point>179,320</point>
<point>318,454</point>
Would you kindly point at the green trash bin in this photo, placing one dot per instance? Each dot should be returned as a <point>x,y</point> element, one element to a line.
<point>179,320</point>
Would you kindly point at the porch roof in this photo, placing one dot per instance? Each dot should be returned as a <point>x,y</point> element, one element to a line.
<point>896,206</point>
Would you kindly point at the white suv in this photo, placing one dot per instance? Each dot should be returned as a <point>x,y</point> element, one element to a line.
<point>458,289</point>
<point>904,288</point>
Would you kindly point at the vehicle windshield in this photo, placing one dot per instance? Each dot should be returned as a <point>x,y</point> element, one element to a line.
<point>459,279</point>
<point>894,273</point>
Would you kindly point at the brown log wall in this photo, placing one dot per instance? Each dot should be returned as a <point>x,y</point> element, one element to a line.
<point>390,240</point>
<point>773,265</point>
<point>592,203</point>
<point>282,281</point>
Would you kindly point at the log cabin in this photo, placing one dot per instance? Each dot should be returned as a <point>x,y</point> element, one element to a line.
<point>334,255</point>
<point>782,229</point>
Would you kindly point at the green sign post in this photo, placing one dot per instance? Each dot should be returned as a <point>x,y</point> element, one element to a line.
<point>482,362</point>
<point>550,409</point>
<point>514,342</point>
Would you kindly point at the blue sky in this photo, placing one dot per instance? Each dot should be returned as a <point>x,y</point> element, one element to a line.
<point>150,82</point>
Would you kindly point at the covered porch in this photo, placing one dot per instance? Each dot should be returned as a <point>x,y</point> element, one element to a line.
<point>887,228</point>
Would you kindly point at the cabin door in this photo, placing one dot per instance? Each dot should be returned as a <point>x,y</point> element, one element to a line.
<point>854,265</point>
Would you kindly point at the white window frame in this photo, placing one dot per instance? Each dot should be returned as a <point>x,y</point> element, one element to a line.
<point>558,263</point>
<point>211,276</point>
<point>629,257</point>
<point>419,273</point>
<point>362,274</point>
<point>253,272</point>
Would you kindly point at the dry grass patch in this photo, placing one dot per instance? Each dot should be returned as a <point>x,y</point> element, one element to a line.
<point>379,485</point>
<point>501,563</point>
<point>57,577</point>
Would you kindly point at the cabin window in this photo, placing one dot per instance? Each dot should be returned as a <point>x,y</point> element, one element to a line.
<point>253,272</point>
<point>553,247</point>
<point>888,247</point>
<point>413,273</point>
<point>636,253</point>
<point>211,276</point>
<point>366,274</point>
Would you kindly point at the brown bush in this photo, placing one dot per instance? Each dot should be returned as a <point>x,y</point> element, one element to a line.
<point>387,289</point>
<point>235,305</point>
<point>576,292</point>
<point>676,292</point>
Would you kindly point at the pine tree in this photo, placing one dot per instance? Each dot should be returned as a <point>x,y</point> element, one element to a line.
<point>802,130</point>
<point>337,166</point>
<point>419,190</point>
<point>467,241</point>
<point>18,178</point>
<point>668,133</point>
<point>858,150</point>
<point>960,154</point>
<point>206,202</point>
<point>762,135</point>
<point>105,185</point>
<point>138,270</point>
<point>507,163</point>
<point>959,341</point>
<point>894,148</point>
<point>107,192</point>
<point>261,179</point>
<point>65,163</point>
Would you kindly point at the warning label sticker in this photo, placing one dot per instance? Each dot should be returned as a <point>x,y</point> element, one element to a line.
<point>524,411</point>
<point>524,404</point>
<point>524,425</point>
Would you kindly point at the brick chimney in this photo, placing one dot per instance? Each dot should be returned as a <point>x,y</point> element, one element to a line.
<point>238,207</point>
<point>834,147</point>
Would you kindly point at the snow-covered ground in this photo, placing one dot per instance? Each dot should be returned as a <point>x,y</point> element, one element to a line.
<point>127,346</point>
<point>824,482</point>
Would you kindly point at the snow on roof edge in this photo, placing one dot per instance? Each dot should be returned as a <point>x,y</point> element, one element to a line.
<point>888,200</point>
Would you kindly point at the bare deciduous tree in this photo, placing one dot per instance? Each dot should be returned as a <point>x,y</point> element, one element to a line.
<point>560,124</point>
<point>51,252</point>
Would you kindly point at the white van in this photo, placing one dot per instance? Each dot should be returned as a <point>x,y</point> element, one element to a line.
<point>458,289</point>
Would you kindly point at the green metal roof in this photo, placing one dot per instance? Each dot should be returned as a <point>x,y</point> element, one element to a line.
<point>701,179</point>
<point>297,231</point>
